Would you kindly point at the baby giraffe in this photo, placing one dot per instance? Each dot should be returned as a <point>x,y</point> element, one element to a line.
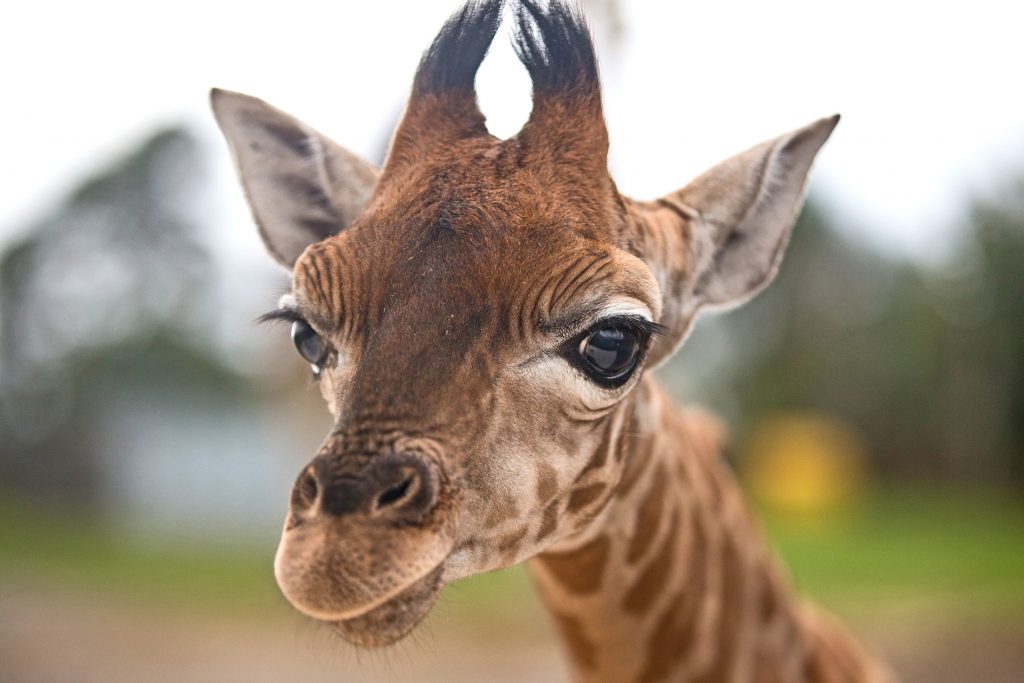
<point>481,316</point>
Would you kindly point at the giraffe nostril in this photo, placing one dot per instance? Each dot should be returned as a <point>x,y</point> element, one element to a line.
<point>305,490</point>
<point>406,488</point>
<point>400,487</point>
<point>396,493</point>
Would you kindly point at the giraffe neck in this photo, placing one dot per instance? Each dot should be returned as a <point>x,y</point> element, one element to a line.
<point>674,581</point>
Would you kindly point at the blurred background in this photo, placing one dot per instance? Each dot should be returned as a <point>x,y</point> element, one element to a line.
<point>150,432</point>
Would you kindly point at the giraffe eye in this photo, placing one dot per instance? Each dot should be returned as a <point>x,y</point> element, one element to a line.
<point>609,354</point>
<point>308,344</point>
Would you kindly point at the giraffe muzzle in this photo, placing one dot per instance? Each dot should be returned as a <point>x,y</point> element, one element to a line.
<point>365,535</point>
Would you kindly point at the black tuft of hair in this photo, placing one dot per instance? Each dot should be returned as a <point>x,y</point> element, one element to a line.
<point>555,46</point>
<point>452,60</point>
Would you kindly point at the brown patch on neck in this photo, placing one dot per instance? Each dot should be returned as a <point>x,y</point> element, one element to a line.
<point>582,650</point>
<point>731,611</point>
<point>581,570</point>
<point>636,464</point>
<point>549,521</point>
<point>668,643</point>
<point>635,447</point>
<point>547,483</point>
<point>582,497</point>
<point>834,658</point>
<point>648,518</point>
<point>673,635</point>
<point>766,671</point>
<point>502,511</point>
<point>769,602</point>
<point>600,456</point>
<point>651,581</point>
<point>511,540</point>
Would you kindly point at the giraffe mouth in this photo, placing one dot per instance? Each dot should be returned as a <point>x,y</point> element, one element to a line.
<point>394,619</point>
<point>371,572</point>
<point>371,582</point>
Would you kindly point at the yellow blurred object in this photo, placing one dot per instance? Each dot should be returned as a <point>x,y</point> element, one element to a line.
<point>804,465</point>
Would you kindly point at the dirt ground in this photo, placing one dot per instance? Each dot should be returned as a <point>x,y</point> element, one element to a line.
<point>48,635</point>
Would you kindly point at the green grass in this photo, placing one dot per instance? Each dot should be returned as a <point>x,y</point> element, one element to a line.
<point>78,553</point>
<point>956,551</point>
<point>959,551</point>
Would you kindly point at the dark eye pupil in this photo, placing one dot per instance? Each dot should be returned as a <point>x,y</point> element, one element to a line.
<point>610,351</point>
<point>307,342</point>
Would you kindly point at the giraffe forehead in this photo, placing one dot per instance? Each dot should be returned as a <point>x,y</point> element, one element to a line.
<point>524,282</point>
<point>474,216</point>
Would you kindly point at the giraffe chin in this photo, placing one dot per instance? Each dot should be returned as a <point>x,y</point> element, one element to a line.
<point>391,621</point>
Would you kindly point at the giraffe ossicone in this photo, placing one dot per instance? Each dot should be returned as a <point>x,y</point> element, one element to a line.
<point>481,315</point>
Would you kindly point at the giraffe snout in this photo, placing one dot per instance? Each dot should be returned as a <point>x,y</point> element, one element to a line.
<point>402,487</point>
<point>365,536</point>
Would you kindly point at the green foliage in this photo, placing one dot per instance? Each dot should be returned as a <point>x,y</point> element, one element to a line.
<point>926,362</point>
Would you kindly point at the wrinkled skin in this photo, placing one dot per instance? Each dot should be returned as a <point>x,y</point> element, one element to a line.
<point>453,295</point>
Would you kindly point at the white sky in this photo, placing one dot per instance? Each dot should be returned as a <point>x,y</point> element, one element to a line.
<point>930,92</point>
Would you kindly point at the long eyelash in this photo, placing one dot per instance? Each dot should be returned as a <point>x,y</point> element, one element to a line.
<point>288,315</point>
<point>634,323</point>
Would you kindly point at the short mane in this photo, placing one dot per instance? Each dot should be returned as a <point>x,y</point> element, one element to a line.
<point>555,46</point>
<point>552,42</point>
<point>452,60</point>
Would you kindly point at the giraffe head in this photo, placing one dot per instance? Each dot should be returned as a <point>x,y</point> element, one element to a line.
<point>478,313</point>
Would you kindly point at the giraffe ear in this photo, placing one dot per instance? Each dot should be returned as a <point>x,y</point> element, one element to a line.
<point>745,210</point>
<point>301,186</point>
<point>719,241</point>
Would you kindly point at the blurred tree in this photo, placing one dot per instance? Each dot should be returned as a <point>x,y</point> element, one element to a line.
<point>926,363</point>
<point>980,297</point>
<point>110,286</point>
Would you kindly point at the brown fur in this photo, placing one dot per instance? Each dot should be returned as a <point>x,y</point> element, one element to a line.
<point>579,571</point>
<point>450,299</point>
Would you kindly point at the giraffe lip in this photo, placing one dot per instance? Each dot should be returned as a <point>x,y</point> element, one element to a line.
<point>340,571</point>
<point>396,617</point>
<point>350,609</point>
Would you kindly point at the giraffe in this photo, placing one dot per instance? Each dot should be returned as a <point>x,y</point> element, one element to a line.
<point>481,316</point>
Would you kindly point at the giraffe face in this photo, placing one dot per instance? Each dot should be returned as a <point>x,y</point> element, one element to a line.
<point>473,348</point>
<point>479,312</point>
